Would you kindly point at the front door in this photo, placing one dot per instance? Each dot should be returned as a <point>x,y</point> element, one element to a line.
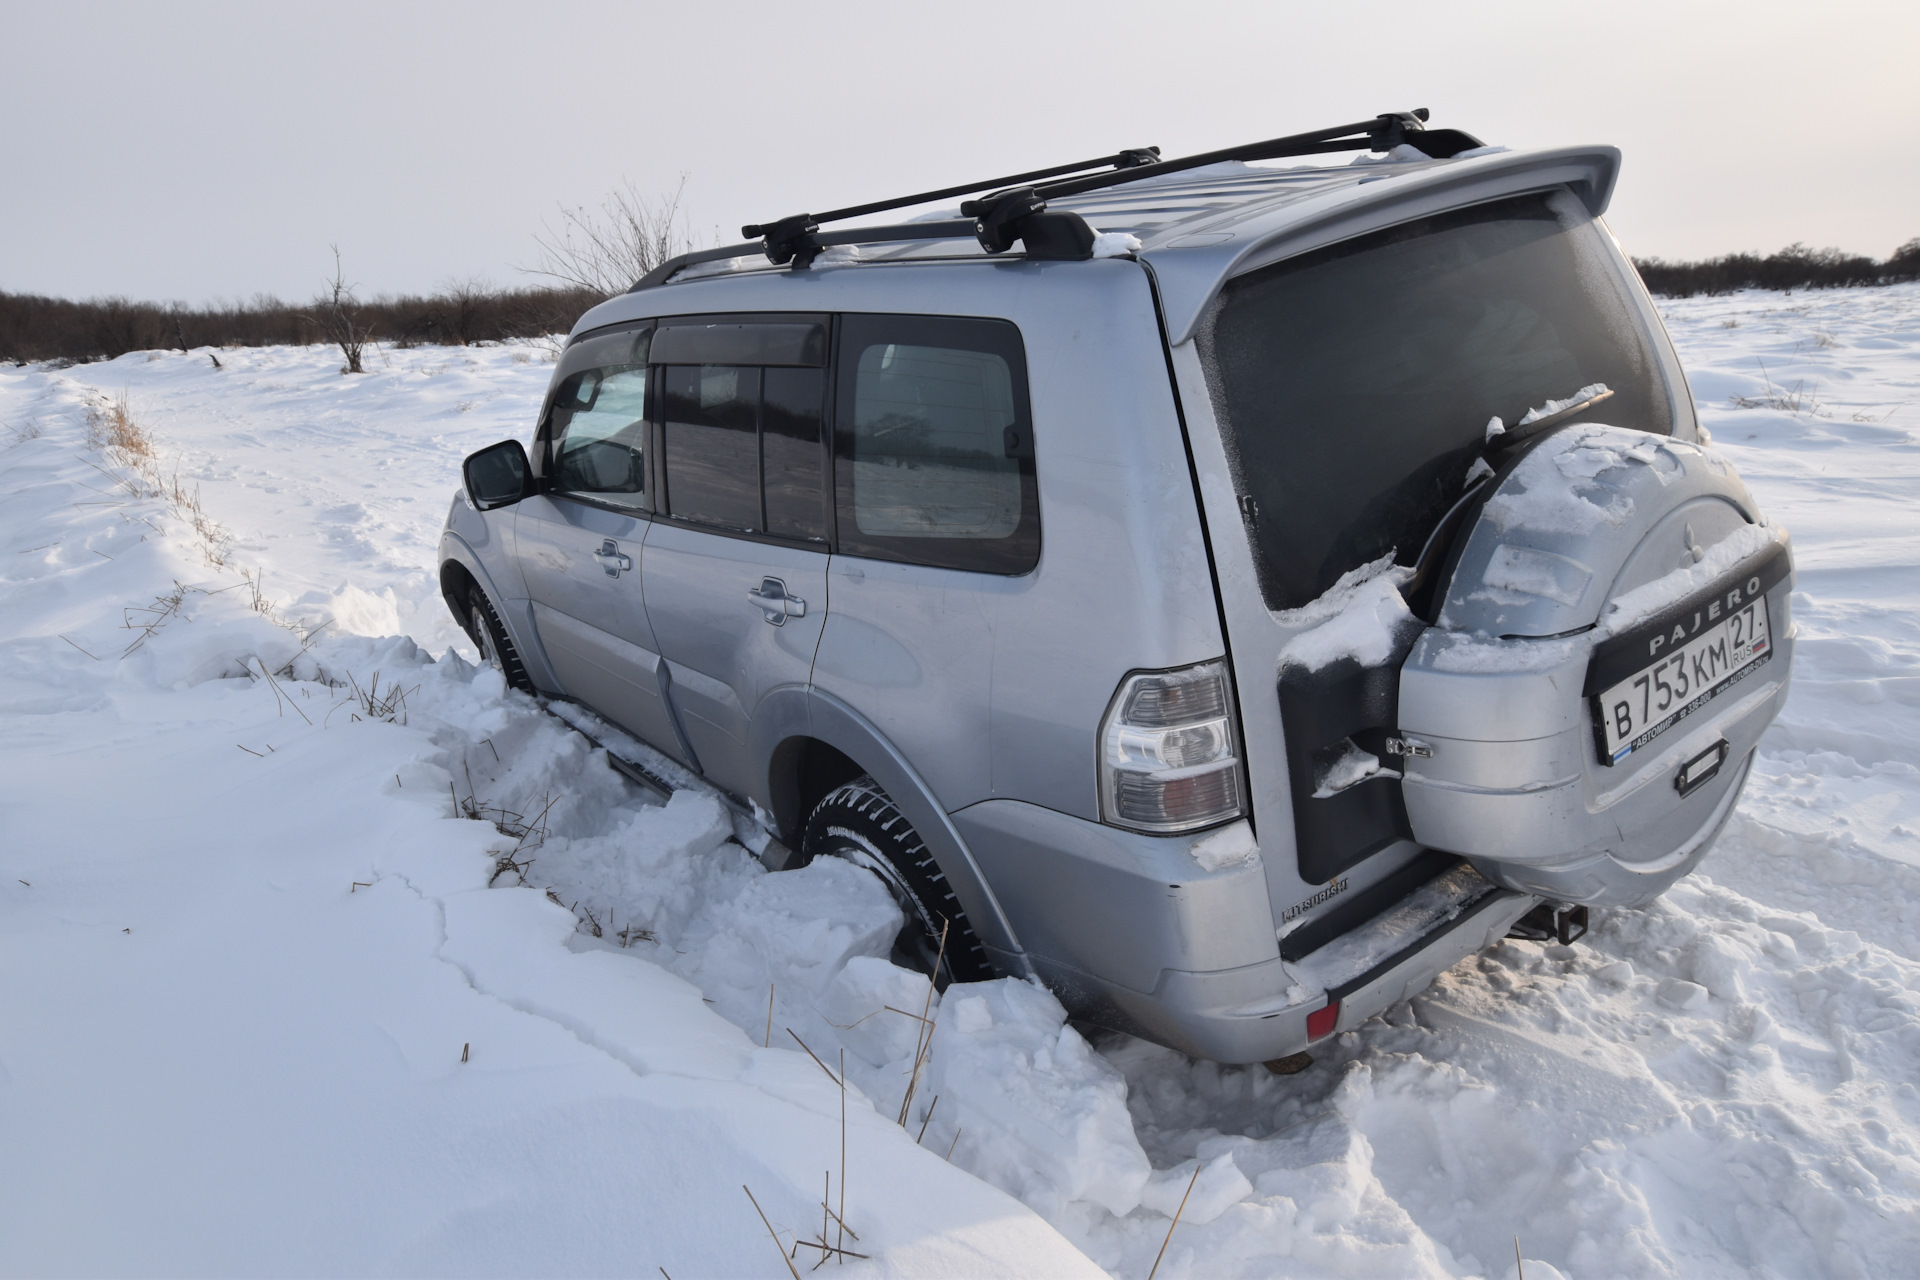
<point>580,539</point>
<point>736,563</point>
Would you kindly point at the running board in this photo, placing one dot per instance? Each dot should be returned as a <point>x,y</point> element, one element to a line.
<point>763,844</point>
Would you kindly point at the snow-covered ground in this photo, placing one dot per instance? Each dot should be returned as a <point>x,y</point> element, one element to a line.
<point>262,1012</point>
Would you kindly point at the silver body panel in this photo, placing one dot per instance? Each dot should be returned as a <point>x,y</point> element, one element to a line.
<point>723,658</point>
<point>975,699</point>
<point>579,563</point>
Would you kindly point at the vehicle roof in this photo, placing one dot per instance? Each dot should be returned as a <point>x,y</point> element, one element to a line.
<point>1201,227</point>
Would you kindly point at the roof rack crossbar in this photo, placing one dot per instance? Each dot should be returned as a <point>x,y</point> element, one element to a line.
<point>944,229</point>
<point>1130,158</point>
<point>1382,133</point>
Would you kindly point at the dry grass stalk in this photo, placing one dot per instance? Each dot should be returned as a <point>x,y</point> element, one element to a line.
<point>529,833</point>
<point>923,1044</point>
<point>1795,400</point>
<point>125,444</point>
<point>791,1269</point>
<point>390,707</point>
<point>163,608</point>
<point>841,1217</point>
<point>111,427</point>
<point>811,1054</point>
<point>279,696</point>
<point>1176,1221</point>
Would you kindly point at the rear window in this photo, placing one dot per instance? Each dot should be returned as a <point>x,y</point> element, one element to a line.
<point>1354,383</point>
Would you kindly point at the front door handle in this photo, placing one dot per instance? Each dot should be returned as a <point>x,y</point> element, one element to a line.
<point>611,560</point>
<point>775,605</point>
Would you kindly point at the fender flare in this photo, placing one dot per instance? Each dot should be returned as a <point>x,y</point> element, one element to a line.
<point>841,727</point>
<point>515,615</point>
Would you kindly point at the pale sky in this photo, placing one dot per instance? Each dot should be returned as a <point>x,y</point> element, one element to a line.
<point>200,151</point>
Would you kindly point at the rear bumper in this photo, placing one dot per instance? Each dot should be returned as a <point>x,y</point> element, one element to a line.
<point>1131,933</point>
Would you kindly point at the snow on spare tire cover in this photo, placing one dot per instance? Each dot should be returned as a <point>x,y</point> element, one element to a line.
<point>1549,548</point>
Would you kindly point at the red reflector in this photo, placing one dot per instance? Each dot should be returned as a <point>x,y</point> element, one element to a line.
<point>1320,1021</point>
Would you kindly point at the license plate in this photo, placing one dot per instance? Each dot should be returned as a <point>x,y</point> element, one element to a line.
<point>1662,672</point>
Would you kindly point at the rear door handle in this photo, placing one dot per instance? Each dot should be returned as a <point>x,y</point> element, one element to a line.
<point>610,558</point>
<point>775,605</point>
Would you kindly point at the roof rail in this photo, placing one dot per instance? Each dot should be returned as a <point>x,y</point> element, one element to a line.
<point>1016,209</point>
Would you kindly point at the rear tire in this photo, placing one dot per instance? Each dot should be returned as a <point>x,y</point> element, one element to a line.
<point>496,647</point>
<point>857,821</point>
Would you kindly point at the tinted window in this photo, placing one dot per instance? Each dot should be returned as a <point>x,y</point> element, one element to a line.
<point>792,456</point>
<point>1354,383</point>
<point>934,456</point>
<point>694,340</point>
<point>712,459</point>
<point>596,425</point>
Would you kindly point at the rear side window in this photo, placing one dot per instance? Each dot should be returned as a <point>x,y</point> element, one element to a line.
<point>933,449</point>
<point>1354,384</point>
<point>596,427</point>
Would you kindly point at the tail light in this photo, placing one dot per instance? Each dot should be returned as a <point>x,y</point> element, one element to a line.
<point>1169,751</point>
<point>1322,1021</point>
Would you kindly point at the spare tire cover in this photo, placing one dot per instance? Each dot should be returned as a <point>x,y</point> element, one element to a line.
<point>1593,535</point>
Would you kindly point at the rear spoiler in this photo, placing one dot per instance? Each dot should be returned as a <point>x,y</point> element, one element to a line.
<point>1191,277</point>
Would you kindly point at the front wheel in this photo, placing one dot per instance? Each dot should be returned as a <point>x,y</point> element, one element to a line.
<point>496,647</point>
<point>857,821</point>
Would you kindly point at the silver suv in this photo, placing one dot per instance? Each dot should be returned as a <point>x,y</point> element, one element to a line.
<point>1207,588</point>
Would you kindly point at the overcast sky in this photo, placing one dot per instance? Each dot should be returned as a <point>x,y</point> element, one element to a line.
<point>193,152</point>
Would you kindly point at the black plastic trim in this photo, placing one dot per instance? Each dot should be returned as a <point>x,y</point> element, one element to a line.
<point>1464,913</point>
<point>1369,903</point>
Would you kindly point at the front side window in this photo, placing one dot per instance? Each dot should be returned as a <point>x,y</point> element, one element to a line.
<point>933,444</point>
<point>1354,383</point>
<point>596,426</point>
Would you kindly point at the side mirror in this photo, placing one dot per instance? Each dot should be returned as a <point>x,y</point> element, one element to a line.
<point>497,476</point>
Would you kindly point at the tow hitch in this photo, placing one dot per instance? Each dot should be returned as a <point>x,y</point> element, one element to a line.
<point>1551,922</point>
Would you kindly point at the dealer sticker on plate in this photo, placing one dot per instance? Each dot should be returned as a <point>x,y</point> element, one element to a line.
<point>1663,671</point>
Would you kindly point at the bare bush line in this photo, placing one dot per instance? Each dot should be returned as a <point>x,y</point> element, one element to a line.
<point>464,313</point>
<point>1794,267</point>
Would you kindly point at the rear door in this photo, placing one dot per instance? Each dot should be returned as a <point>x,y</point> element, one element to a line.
<point>1353,387</point>
<point>937,524</point>
<point>580,539</point>
<point>735,565</point>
